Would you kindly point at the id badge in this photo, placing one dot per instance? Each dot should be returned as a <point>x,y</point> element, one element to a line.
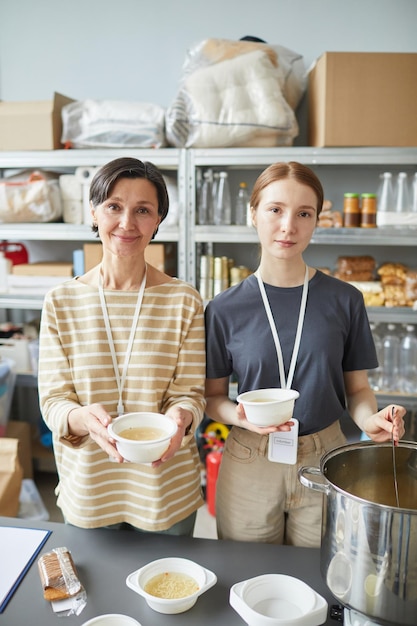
<point>282,446</point>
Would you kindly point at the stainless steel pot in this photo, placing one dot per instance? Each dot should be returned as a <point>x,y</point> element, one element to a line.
<point>369,545</point>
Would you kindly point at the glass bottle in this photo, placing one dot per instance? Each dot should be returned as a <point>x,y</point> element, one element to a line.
<point>215,186</point>
<point>408,361</point>
<point>402,194</point>
<point>242,203</point>
<point>385,200</point>
<point>205,200</point>
<point>223,206</point>
<point>390,359</point>
<point>414,194</point>
<point>375,375</point>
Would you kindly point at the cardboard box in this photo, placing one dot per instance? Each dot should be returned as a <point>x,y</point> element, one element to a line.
<point>32,125</point>
<point>363,99</point>
<point>93,253</point>
<point>43,268</point>
<point>11,476</point>
<point>160,255</point>
<point>23,432</point>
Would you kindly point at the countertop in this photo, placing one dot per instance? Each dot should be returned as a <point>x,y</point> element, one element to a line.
<point>104,558</point>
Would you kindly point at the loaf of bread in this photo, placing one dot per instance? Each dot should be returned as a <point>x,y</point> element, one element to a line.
<point>411,286</point>
<point>58,575</point>
<point>349,264</point>
<point>393,280</point>
<point>393,269</point>
<point>395,295</point>
<point>355,276</point>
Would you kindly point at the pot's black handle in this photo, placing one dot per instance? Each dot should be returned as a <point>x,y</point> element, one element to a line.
<point>336,612</point>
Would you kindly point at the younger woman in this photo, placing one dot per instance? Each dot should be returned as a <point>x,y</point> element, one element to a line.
<point>259,499</point>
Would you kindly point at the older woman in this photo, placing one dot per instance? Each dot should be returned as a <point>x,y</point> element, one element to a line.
<point>124,337</point>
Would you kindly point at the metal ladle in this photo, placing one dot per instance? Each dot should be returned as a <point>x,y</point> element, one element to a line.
<point>394,463</point>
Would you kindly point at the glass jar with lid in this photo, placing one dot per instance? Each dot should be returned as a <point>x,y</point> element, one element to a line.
<point>351,210</point>
<point>368,210</point>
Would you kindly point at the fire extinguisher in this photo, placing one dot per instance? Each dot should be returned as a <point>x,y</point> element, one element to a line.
<point>213,460</point>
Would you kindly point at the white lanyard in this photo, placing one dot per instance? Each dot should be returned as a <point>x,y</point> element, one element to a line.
<point>285,384</point>
<point>121,380</point>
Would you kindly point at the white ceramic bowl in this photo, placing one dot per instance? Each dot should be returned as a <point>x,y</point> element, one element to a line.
<point>111,619</point>
<point>142,451</point>
<point>137,582</point>
<point>268,407</point>
<point>278,600</point>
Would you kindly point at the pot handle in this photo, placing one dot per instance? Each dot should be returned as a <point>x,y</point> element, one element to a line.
<point>314,471</point>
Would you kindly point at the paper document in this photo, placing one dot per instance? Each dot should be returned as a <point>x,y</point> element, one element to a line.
<point>18,549</point>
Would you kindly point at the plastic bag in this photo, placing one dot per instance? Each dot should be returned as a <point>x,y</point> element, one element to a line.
<point>236,93</point>
<point>60,582</point>
<point>113,124</point>
<point>34,199</point>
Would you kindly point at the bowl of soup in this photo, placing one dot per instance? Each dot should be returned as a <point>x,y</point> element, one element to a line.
<point>171,585</point>
<point>268,407</point>
<point>142,437</point>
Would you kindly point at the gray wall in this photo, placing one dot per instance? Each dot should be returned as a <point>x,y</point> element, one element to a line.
<point>134,49</point>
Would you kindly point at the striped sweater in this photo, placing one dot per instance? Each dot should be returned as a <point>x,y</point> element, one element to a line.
<point>166,368</point>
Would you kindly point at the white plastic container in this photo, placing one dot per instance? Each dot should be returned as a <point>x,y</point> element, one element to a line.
<point>278,600</point>
<point>111,619</point>
<point>204,578</point>
<point>5,266</point>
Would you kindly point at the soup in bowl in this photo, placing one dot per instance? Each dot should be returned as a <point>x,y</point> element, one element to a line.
<point>142,437</point>
<point>268,407</point>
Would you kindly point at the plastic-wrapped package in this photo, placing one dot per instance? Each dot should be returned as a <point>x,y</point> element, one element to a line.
<point>236,93</point>
<point>60,581</point>
<point>30,197</point>
<point>113,124</point>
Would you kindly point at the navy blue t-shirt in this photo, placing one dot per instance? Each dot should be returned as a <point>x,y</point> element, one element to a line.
<point>336,338</point>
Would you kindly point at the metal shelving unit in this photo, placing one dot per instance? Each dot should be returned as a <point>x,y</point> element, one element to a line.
<point>333,163</point>
<point>64,161</point>
<point>165,158</point>
<point>186,165</point>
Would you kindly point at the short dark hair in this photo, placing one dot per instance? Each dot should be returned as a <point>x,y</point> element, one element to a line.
<point>107,176</point>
